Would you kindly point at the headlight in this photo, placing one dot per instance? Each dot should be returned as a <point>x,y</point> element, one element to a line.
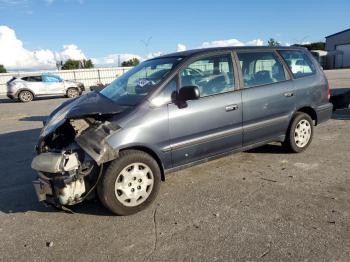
<point>55,121</point>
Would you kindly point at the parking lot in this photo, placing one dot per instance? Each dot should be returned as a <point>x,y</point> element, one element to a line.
<point>261,205</point>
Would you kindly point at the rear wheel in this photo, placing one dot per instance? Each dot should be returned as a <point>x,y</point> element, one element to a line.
<point>25,96</point>
<point>130,183</point>
<point>300,133</point>
<point>73,92</point>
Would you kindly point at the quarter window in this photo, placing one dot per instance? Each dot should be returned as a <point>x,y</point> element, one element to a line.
<point>213,75</point>
<point>299,63</point>
<point>260,68</point>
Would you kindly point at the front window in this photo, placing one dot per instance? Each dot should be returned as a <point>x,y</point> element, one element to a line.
<point>213,75</point>
<point>51,79</point>
<point>132,87</point>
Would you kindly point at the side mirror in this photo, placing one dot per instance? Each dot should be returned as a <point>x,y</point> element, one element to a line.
<point>188,93</point>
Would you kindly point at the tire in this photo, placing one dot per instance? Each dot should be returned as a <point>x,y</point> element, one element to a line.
<point>300,133</point>
<point>124,192</point>
<point>25,96</point>
<point>73,92</point>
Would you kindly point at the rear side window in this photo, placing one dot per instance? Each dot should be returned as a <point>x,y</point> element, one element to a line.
<point>32,78</point>
<point>213,75</point>
<point>299,63</point>
<point>260,68</point>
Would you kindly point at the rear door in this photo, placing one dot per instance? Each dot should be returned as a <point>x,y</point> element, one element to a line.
<point>35,84</point>
<point>267,96</point>
<point>212,124</point>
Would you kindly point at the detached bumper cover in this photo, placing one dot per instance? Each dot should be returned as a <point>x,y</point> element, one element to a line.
<point>324,112</point>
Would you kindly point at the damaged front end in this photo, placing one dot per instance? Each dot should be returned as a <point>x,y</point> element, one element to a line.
<point>72,149</point>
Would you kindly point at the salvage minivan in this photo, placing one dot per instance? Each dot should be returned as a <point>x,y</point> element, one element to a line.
<point>172,112</point>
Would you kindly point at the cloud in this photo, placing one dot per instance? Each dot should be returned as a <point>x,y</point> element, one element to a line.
<point>180,47</point>
<point>113,59</point>
<point>13,55</point>
<point>255,42</point>
<point>71,52</point>
<point>231,42</point>
<point>12,3</point>
<point>154,54</point>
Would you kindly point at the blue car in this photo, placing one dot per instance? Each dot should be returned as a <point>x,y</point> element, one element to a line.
<point>175,111</point>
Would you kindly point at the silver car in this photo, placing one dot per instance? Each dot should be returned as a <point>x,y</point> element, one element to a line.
<point>25,88</point>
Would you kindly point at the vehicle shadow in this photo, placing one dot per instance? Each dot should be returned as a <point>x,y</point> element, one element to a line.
<point>341,114</point>
<point>17,194</point>
<point>8,100</point>
<point>340,98</point>
<point>269,149</point>
<point>33,118</point>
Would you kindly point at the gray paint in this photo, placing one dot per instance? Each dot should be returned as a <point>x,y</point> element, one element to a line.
<point>332,42</point>
<point>204,129</point>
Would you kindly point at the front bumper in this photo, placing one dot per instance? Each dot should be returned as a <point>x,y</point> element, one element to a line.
<point>324,112</point>
<point>42,189</point>
<point>11,95</point>
<point>58,182</point>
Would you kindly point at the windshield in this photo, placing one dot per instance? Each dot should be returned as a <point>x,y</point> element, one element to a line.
<point>137,83</point>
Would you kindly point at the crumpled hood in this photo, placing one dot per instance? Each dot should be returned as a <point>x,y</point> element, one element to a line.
<point>90,104</point>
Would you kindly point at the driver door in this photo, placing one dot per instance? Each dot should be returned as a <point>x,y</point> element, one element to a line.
<point>53,85</point>
<point>212,124</point>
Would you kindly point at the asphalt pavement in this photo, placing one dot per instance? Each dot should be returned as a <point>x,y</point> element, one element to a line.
<point>260,205</point>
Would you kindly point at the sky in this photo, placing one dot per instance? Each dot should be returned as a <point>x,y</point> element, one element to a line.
<point>34,34</point>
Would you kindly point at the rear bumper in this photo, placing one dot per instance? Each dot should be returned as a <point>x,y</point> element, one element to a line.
<point>324,112</point>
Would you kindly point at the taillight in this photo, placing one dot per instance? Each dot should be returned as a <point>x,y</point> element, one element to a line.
<point>329,90</point>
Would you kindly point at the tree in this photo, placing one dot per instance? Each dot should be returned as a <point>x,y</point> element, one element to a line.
<point>273,42</point>
<point>71,64</point>
<point>2,69</point>
<point>131,62</point>
<point>314,46</point>
<point>88,63</point>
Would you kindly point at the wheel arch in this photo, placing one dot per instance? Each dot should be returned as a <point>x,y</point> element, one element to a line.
<point>151,153</point>
<point>309,111</point>
<point>24,89</point>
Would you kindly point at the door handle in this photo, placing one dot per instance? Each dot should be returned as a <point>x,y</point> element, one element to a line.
<point>231,107</point>
<point>289,94</point>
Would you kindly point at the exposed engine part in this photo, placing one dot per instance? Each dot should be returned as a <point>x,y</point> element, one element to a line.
<point>93,142</point>
<point>71,192</point>
<point>79,125</point>
<point>50,162</point>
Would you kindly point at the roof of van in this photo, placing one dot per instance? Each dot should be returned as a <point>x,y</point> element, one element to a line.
<point>204,50</point>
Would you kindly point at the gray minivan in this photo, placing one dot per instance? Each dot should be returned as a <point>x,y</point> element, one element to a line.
<point>172,112</point>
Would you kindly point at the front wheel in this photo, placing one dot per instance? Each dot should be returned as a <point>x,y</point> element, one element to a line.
<point>130,183</point>
<point>300,133</point>
<point>73,92</point>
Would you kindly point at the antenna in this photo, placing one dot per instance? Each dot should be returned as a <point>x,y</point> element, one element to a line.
<point>146,43</point>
